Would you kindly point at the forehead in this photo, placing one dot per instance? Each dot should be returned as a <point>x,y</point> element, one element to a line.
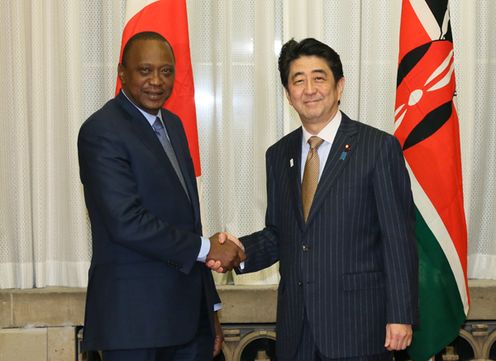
<point>308,64</point>
<point>150,49</point>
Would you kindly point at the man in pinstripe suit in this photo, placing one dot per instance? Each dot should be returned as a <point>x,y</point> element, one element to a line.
<point>348,262</point>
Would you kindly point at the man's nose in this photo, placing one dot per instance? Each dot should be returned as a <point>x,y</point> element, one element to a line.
<point>309,87</point>
<point>155,78</point>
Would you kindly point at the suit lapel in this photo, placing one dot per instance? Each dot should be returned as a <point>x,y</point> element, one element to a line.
<point>339,156</point>
<point>294,152</point>
<point>142,129</point>
<point>147,136</point>
<point>175,135</point>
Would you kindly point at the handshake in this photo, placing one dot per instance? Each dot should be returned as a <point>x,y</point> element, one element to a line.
<point>226,252</point>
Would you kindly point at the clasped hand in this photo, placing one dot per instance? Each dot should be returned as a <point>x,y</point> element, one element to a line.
<point>226,252</point>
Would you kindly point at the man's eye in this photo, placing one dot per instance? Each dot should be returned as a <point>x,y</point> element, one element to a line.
<point>298,81</point>
<point>320,78</point>
<point>144,70</point>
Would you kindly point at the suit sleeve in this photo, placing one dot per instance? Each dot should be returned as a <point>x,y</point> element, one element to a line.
<point>397,221</point>
<point>112,195</point>
<point>262,248</point>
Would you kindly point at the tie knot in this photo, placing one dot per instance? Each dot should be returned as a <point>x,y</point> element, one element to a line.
<point>157,125</point>
<point>315,142</point>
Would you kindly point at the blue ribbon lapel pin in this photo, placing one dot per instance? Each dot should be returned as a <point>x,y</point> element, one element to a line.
<point>345,152</point>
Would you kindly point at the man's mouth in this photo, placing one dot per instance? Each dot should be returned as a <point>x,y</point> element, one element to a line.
<point>154,95</point>
<point>312,101</point>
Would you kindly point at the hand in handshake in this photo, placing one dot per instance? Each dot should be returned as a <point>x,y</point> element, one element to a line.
<point>226,252</point>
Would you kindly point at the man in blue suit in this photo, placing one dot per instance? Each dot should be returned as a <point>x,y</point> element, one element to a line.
<point>340,219</point>
<point>150,296</point>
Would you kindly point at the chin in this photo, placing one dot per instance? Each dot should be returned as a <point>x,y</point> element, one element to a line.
<point>155,105</point>
<point>314,115</point>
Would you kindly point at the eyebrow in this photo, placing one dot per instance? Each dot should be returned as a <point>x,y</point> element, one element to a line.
<point>165,65</point>
<point>314,71</point>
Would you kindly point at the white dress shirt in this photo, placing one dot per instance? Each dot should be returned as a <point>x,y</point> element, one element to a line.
<point>328,133</point>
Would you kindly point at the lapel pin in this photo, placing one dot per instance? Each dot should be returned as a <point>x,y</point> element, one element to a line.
<point>291,163</point>
<point>344,153</point>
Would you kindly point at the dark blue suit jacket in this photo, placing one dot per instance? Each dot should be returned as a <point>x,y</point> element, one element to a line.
<point>145,286</point>
<point>352,268</point>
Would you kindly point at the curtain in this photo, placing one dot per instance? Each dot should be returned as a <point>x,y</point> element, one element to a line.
<point>58,65</point>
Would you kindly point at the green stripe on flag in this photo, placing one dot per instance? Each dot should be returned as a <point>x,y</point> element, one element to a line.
<point>440,305</point>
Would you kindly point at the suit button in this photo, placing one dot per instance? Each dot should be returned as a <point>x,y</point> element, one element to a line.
<point>305,248</point>
<point>300,283</point>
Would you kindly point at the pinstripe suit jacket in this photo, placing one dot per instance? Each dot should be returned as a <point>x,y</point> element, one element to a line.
<point>352,267</point>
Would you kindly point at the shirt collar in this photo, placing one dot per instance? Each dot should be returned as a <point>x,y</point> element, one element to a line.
<point>328,133</point>
<point>149,117</point>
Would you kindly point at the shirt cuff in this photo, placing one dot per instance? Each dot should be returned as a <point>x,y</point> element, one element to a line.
<point>204,249</point>
<point>217,307</point>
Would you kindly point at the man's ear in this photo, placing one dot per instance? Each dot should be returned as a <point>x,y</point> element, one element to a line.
<point>340,87</point>
<point>121,73</point>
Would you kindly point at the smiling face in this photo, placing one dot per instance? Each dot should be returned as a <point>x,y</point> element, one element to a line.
<point>148,74</point>
<point>313,92</point>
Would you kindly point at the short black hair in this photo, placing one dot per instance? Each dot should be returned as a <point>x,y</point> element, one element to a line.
<point>144,35</point>
<point>293,50</point>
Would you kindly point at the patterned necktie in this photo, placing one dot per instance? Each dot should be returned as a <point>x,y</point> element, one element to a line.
<point>166,144</point>
<point>310,175</point>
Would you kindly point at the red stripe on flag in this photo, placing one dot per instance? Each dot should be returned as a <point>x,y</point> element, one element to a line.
<point>412,32</point>
<point>169,18</point>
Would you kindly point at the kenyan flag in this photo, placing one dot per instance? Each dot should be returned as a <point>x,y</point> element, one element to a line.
<point>426,124</point>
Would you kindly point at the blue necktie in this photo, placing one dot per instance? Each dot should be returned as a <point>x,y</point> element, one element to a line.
<point>160,131</point>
